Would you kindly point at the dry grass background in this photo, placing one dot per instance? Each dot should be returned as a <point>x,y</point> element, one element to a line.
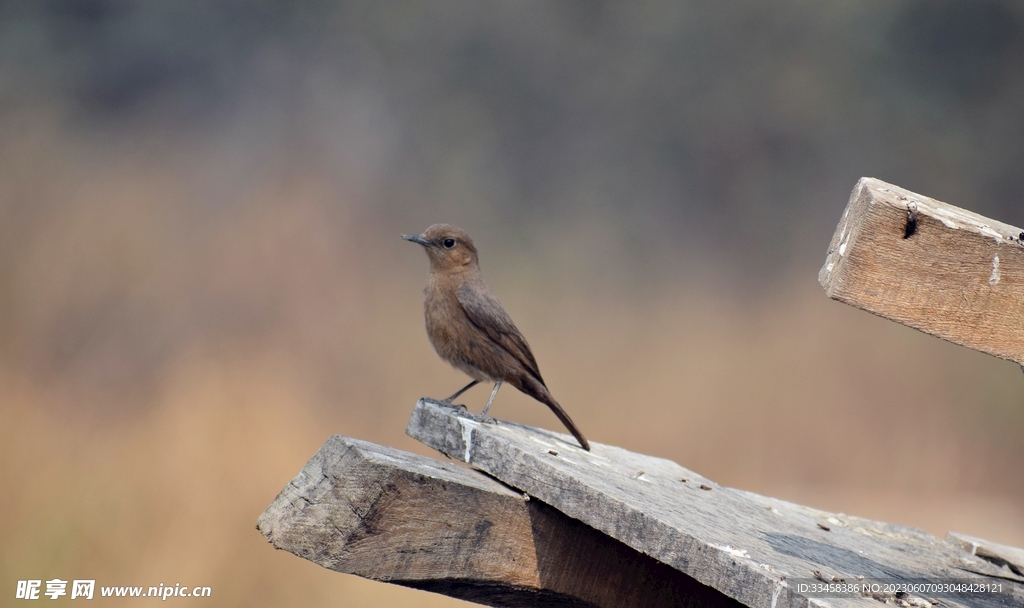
<point>201,276</point>
<point>140,459</point>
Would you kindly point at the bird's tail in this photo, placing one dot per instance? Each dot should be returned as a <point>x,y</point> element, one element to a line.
<point>540,392</point>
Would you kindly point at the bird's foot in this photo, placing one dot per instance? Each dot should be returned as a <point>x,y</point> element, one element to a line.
<point>444,403</point>
<point>481,418</point>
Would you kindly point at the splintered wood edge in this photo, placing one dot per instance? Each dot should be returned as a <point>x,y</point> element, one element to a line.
<point>410,520</point>
<point>1000,555</point>
<point>946,271</point>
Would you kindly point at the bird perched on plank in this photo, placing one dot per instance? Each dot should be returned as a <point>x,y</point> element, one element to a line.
<point>470,329</point>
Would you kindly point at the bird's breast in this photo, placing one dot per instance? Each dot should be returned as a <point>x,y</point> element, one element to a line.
<point>456,340</point>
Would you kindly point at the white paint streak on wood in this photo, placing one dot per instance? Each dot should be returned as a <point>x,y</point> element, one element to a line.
<point>467,435</point>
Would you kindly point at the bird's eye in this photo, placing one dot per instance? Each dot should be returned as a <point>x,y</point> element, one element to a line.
<point>448,243</point>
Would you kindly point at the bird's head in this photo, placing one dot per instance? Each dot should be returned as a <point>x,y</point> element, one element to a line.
<point>448,247</point>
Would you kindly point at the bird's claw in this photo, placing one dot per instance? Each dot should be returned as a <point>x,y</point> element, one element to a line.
<point>445,403</point>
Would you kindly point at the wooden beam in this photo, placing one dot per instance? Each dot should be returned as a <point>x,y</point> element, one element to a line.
<point>938,268</point>
<point>397,517</point>
<point>749,547</point>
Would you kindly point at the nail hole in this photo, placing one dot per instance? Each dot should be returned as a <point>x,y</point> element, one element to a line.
<point>911,226</point>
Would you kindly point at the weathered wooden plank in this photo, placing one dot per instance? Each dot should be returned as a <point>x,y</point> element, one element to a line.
<point>397,517</point>
<point>750,547</point>
<point>935,267</point>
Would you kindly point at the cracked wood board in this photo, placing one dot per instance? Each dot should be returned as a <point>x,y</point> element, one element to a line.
<point>401,518</point>
<point>749,547</point>
<point>943,270</point>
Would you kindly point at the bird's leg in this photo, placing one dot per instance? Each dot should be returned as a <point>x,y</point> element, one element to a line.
<point>448,401</point>
<point>497,385</point>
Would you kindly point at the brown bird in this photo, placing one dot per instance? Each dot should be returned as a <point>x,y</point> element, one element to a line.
<point>469,328</point>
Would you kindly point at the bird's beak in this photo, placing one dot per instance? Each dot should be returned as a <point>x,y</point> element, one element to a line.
<point>416,238</point>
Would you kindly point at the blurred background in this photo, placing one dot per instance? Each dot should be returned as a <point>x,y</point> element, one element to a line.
<point>201,276</point>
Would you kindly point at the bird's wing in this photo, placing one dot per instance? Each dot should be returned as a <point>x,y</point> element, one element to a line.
<point>485,311</point>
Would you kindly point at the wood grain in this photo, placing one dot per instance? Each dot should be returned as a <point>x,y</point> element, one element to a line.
<point>749,547</point>
<point>405,519</point>
<point>943,270</point>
